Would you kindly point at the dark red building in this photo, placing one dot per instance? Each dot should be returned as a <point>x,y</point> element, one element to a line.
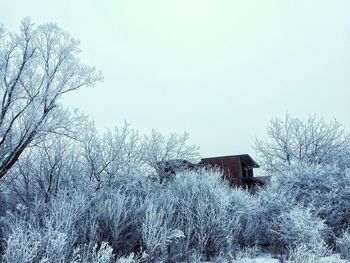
<point>237,169</point>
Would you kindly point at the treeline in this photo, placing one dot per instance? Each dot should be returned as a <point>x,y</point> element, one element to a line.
<point>303,213</point>
<point>99,198</point>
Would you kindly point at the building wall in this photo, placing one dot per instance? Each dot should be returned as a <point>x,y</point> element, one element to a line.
<point>231,167</point>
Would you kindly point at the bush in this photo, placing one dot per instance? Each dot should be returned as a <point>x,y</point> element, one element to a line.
<point>273,202</point>
<point>29,241</point>
<point>214,218</point>
<point>324,189</point>
<point>45,231</point>
<point>298,227</point>
<point>158,230</point>
<point>111,217</point>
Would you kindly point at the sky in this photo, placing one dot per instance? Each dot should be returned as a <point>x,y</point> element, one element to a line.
<point>218,69</point>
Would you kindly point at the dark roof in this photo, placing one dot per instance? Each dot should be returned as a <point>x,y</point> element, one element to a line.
<point>245,158</point>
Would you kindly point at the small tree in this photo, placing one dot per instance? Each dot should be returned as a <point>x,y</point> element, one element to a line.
<point>313,141</point>
<point>37,66</point>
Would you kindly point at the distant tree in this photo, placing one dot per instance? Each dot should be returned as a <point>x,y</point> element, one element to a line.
<point>314,141</point>
<point>37,66</point>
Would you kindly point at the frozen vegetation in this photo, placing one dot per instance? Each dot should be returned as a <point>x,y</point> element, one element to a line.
<point>71,194</point>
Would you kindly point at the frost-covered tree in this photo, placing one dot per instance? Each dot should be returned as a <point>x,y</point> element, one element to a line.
<point>114,153</point>
<point>313,141</point>
<point>37,66</point>
<point>52,165</point>
<point>157,149</point>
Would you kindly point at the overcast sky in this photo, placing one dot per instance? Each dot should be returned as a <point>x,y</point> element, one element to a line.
<point>219,69</point>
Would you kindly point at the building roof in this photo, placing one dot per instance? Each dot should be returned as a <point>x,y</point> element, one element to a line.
<point>245,159</point>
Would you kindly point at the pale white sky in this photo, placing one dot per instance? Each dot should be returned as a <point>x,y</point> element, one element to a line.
<point>219,69</point>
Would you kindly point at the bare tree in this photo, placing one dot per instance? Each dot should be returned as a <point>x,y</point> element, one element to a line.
<point>37,66</point>
<point>313,141</point>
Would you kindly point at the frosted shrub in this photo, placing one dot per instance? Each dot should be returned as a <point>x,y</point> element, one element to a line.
<point>45,231</point>
<point>272,203</point>
<point>202,204</point>
<point>23,244</point>
<point>248,211</point>
<point>298,227</point>
<point>325,189</point>
<point>114,217</point>
<point>111,216</point>
<point>343,245</point>
<point>55,246</point>
<point>158,229</point>
<point>64,214</point>
<point>28,241</point>
<point>102,253</point>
